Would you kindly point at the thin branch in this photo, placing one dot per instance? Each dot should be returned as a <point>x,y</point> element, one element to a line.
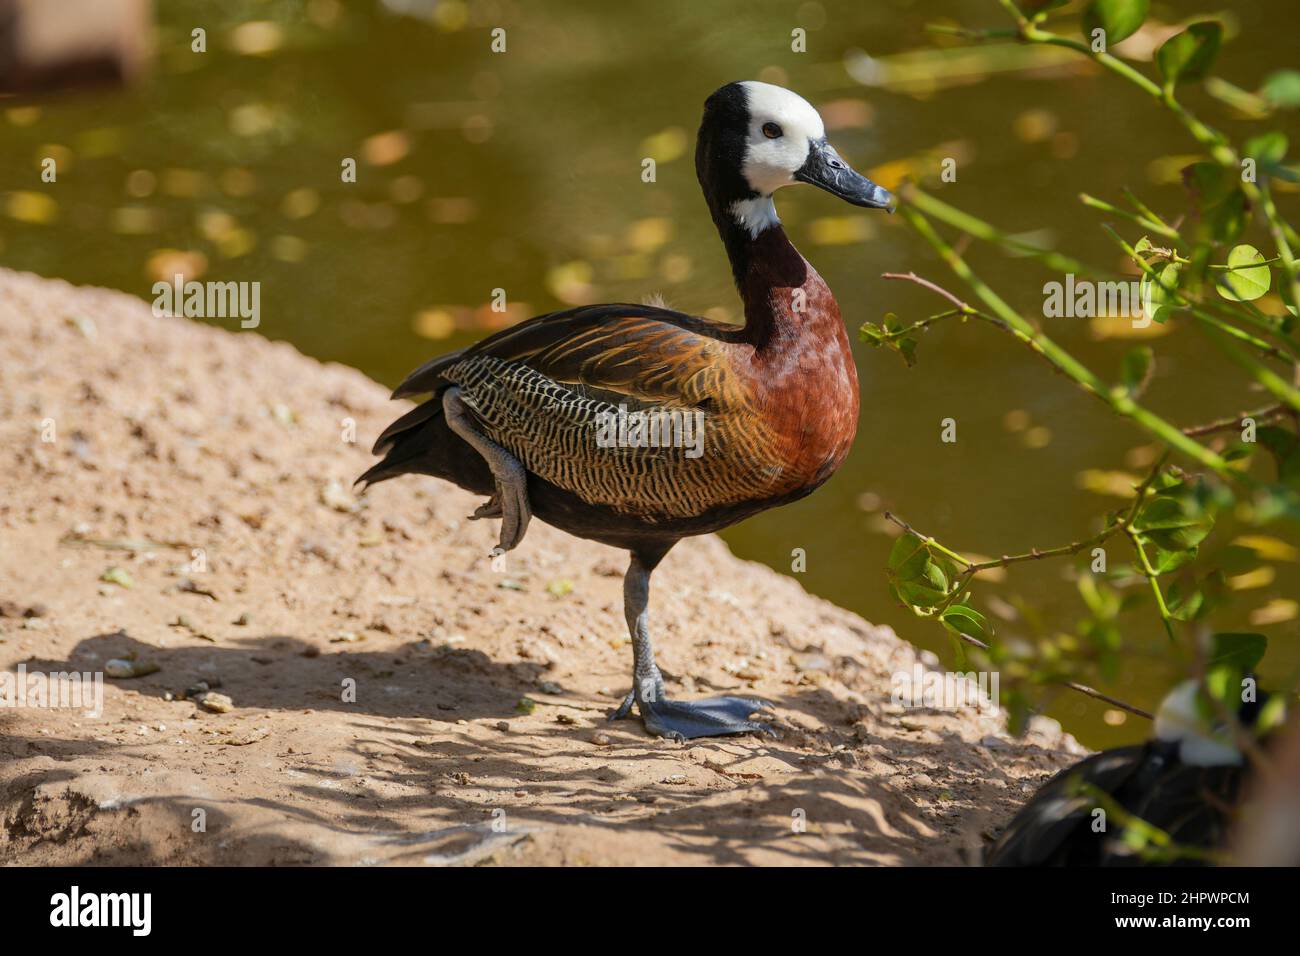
<point>1034,554</point>
<point>1074,685</point>
<point>1239,422</point>
<point>962,307</point>
<point>972,568</point>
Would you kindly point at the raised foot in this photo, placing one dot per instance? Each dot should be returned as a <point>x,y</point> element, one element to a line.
<point>688,719</point>
<point>512,501</point>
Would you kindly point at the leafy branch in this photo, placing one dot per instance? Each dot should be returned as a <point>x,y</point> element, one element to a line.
<point>1196,267</point>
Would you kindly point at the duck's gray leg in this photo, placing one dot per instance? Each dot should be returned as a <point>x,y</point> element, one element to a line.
<point>680,720</point>
<point>511,498</point>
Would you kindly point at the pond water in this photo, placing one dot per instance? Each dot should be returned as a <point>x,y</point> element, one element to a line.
<point>522,171</point>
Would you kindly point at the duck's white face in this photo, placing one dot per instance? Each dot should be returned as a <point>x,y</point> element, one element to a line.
<point>783,130</point>
<point>785,143</point>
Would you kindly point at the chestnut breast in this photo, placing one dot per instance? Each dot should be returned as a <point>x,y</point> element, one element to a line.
<point>803,379</point>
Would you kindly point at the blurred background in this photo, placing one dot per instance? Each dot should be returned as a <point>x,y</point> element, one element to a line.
<point>521,170</point>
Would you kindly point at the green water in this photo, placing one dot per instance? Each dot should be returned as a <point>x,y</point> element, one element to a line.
<point>522,171</point>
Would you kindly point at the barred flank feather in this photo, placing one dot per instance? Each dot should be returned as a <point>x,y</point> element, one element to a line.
<point>553,429</point>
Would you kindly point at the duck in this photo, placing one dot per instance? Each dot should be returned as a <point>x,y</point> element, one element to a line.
<point>636,425</point>
<point>1186,780</point>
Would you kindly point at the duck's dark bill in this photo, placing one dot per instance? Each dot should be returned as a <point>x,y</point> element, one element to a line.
<point>825,169</point>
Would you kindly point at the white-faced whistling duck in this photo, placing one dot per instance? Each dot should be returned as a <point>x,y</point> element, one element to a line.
<point>1187,781</point>
<point>524,416</point>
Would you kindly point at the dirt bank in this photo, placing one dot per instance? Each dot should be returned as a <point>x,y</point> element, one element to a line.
<point>175,496</point>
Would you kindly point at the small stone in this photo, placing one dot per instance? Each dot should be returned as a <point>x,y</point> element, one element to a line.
<point>118,576</point>
<point>217,703</point>
<point>503,726</point>
<point>601,739</point>
<point>334,496</point>
<point>121,668</point>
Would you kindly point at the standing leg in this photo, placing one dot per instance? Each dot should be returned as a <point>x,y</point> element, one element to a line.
<point>511,498</point>
<point>680,720</point>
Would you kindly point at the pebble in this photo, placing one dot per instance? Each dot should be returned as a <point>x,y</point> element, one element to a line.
<point>120,668</point>
<point>217,703</point>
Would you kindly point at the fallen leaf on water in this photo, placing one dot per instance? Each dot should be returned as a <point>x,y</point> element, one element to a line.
<point>1276,611</point>
<point>384,149</point>
<point>1270,549</point>
<point>35,208</point>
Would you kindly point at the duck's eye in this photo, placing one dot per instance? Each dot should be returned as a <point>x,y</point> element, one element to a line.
<point>771,130</point>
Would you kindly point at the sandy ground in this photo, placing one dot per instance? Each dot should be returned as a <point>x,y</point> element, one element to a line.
<point>175,496</point>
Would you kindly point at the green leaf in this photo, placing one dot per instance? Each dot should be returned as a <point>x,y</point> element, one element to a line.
<point>1219,201</point>
<point>908,557</point>
<point>1241,281</point>
<point>1267,149</point>
<point>1184,606</point>
<point>1118,18</point>
<point>968,621</point>
<point>1156,302</point>
<point>1239,651</point>
<point>1177,521</point>
<point>907,348</point>
<point>1189,55</point>
<point>1282,89</point>
<point>1166,561</point>
<point>1136,368</point>
<point>1209,183</point>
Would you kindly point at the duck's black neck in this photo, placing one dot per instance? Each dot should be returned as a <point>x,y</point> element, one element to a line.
<point>764,264</point>
<point>768,270</point>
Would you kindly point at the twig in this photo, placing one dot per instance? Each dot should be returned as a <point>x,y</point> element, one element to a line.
<point>962,307</point>
<point>971,568</point>
<point>1034,554</point>
<point>1239,422</point>
<point>1074,685</point>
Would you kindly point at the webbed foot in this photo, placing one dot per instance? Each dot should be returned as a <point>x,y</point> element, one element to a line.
<point>688,719</point>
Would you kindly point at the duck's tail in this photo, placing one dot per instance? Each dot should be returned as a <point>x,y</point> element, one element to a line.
<point>407,445</point>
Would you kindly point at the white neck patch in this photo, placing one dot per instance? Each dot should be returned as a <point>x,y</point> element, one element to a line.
<point>1179,720</point>
<point>755,215</point>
